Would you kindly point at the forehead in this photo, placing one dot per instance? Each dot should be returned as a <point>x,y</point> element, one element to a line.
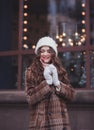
<point>45,47</point>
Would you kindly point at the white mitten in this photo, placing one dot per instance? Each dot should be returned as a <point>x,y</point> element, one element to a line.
<point>55,79</point>
<point>47,75</point>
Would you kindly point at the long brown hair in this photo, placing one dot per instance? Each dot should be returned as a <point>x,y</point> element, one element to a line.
<point>36,69</point>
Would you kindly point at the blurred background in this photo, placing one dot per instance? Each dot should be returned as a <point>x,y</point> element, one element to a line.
<point>71,25</point>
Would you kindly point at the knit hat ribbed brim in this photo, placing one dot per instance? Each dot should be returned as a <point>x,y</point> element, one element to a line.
<point>46,41</point>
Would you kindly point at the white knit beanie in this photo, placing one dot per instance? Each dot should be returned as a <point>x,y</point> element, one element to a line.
<point>46,41</point>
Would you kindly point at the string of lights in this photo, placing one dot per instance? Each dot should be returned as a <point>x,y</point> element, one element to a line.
<point>72,39</point>
<point>63,38</point>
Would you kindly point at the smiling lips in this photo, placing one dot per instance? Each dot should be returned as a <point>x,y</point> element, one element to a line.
<point>45,58</point>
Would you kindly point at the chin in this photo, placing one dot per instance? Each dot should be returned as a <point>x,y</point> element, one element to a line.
<point>48,62</point>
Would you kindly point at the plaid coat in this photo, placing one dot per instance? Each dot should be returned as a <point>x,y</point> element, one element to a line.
<point>48,109</point>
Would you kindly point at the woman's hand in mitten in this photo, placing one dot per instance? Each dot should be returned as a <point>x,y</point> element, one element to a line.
<point>55,79</point>
<point>47,75</point>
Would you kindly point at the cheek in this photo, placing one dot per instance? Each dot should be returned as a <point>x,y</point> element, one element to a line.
<point>45,58</point>
<point>41,57</point>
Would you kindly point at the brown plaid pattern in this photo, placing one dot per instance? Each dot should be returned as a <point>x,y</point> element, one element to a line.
<point>48,110</point>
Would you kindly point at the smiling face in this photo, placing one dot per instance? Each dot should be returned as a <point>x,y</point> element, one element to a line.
<point>45,55</point>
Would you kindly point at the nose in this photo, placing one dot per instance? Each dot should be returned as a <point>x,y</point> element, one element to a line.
<point>45,53</point>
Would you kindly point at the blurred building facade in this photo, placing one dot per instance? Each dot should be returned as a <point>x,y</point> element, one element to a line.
<point>71,24</point>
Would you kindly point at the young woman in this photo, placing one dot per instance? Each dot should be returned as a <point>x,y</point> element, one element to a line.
<point>48,89</point>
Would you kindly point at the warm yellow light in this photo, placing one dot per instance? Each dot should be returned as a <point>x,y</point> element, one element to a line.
<point>57,37</point>
<point>83,30</point>
<point>60,39</point>
<point>25,46</point>
<point>83,22</point>
<point>84,52</point>
<point>71,43</point>
<point>79,43</point>
<point>25,37</point>
<point>82,39</point>
<point>25,14</point>
<point>25,29</point>
<point>83,13</point>
<point>63,44</point>
<point>83,4</point>
<point>76,34</point>
<point>64,34</point>
<point>33,46</point>
<point>25,22</point>
<point>70,40</point>
<point>25,6</point>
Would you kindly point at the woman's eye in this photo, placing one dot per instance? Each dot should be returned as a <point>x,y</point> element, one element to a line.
<point>43,51</point>
<point>49,51</point>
